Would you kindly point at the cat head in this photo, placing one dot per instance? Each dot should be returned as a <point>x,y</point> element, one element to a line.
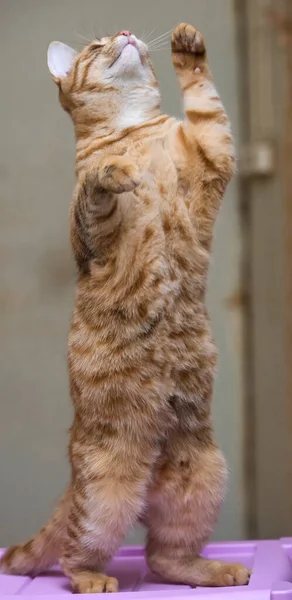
<point>112,78</point>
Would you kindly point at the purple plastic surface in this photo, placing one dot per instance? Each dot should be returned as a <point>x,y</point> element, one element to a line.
<point>270,561</point>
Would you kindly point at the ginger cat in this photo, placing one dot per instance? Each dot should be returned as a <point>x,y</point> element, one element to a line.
<point>141,354</point>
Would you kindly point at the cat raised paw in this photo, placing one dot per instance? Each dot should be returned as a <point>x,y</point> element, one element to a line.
<point>187,39</point>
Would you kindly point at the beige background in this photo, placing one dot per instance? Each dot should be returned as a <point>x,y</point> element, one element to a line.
<point>37,274</point>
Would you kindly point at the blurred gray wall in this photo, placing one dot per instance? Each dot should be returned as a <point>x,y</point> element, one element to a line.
<point>37,272</point>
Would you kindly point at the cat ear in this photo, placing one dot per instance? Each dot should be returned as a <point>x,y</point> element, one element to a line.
<point>60,60</point>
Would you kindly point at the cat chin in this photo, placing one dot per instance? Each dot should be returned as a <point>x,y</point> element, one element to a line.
<point>128,61</point>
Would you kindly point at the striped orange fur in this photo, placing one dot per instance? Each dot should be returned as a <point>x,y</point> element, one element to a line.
<point>141,353</point>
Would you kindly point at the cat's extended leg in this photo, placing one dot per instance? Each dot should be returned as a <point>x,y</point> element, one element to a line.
<point>206,158</point>
<point>43,550</point>
<point>206,123</point>
<point>110,477</point>
<point>182,508</point>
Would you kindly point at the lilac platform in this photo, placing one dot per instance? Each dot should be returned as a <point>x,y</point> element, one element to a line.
<point>271,562</point>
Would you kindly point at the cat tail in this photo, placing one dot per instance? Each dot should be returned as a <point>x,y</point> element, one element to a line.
<point>43,550</point>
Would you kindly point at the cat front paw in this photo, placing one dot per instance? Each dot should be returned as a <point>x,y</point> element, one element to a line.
<point>119,176</point>
<point>187,39</point>
<point>116,174</point>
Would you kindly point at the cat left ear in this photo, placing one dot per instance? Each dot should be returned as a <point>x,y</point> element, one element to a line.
<point>60,60</point>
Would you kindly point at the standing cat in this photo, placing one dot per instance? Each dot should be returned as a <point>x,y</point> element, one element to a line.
<point>141,354</point>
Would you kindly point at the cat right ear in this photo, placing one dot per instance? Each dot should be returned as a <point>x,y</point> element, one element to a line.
<point>60,60</point>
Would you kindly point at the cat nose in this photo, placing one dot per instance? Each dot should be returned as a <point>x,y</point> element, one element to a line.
<point>126,33</point>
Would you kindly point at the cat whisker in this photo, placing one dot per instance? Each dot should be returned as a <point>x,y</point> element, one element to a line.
<point>162,36</point>
<point>164,44</point>
<point>147,35</point>
<point>83,37</point>
<point>157,49</point>
<point>160,45</point>
<point>165,40</point>
<point>155,44</point>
